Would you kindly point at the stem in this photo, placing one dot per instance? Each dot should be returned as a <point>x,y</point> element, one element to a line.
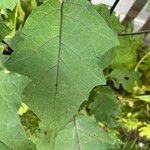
<point>114,6</point>
<point>134,33</point>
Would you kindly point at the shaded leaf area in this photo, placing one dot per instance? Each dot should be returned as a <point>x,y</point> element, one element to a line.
<point>64,63</point>
<point>4,30</point>
<point>30,122</point>
<point>10,4</point>
<point>82,133</point>
<point>12,135</point>
<point>104,105</point>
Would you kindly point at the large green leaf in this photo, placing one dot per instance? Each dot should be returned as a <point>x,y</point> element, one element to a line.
<point>104,105</point>
<point>10,4</point>
<point>12,135</point>
<point>58,50</point>
<point>82,133</point>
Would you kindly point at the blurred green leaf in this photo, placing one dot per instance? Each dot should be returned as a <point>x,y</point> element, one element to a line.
<point>4,30</point>
<point>12,135</point>
<point>13,19</point>
<point>145,98</point>
<point>125,77</point>
<point>81,133</point>
<point>145,131</point>
<point>126,53</point>
<point>104,105</point>
<point>10,4</point>
<point>112,21</point>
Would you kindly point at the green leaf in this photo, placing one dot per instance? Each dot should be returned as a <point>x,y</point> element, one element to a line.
<point>106,59</point>
<point>81,133</point>
<point>112,20</point>
<point>145,131</point>
<point>125,77</point>
<point>12,135</point>
<point>58,50</point>
<point>4,30</point>
<point>3,59</point>
<point>10,4</point>
<point>145,98</point>
<point>125,54</point>
<point>104,105</point>
<point>14,19</point>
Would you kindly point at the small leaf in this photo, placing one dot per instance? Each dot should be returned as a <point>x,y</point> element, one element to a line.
<point>104,105</point>
<point>125,77</point>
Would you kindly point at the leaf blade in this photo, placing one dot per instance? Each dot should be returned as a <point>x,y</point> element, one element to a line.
<point>12,135</point>
<point>10,4</point>
<point>78,69</point>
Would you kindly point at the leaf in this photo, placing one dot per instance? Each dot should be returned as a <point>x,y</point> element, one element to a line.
<point>112,20</point>
<point>12,135</point>
<point>145,98</point>
<point>104,105</point>
<point>145,131</point>
<point>125,77</point>
<point>125,54</point>
<point>10,4</point>
<point>59,53</point>
<point>106,59</point>
<point>3,59</point>
<point>124,61</point>
<point>13,19</point>
<point>82,133</point>
<point>4,30</point>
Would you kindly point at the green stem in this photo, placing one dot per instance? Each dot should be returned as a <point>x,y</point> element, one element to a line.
<point>142,59</point>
